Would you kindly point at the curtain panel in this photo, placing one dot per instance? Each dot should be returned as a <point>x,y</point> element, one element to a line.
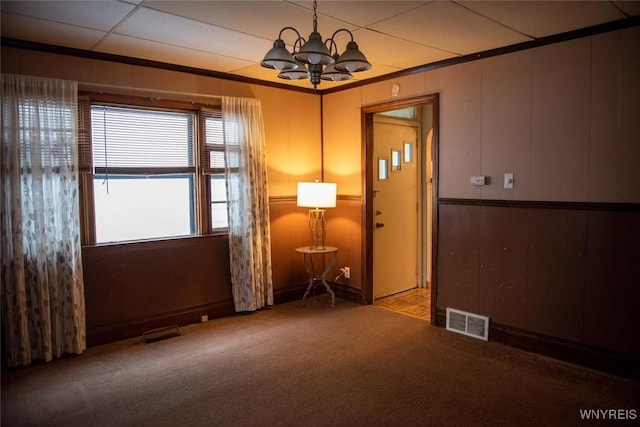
<point>43,308</point>
<point>247,203</point>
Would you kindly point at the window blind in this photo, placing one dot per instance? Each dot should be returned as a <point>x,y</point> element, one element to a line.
<point>85,160</point>
<point>212,150</point>
<point>143,141</point>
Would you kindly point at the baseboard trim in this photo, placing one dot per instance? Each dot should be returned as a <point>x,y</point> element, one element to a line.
<point>135,328</point>
<point>189,315</point>
<point>290,293</point>
<point>296,292</point>
<point>621,364</point>
<point>347,292</point>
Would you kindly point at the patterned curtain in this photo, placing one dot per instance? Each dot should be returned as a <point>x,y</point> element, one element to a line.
<point>43,311</point>
<point>247,203</point>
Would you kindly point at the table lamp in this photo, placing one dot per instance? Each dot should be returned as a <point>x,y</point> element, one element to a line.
<point>317,195</point>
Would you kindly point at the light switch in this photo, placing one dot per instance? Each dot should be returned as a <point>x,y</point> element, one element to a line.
<point>508,180</point>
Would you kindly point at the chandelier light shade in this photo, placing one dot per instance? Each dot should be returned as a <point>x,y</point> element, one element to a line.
<point>352,60</point>
<point>314,58</point>
<point>278,57</point>
<point>317,195</point>
<point>331,73</point>
<point>298,73</point>
<point>314,51</point>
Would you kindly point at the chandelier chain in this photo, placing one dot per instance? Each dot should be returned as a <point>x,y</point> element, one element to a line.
<point>315,16</point>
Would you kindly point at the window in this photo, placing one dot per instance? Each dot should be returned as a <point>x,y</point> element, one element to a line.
<point>218,202</point>
<point>215,154</point>
<point>142,179</point>
<point>213,164</point>
<point>403,113</point>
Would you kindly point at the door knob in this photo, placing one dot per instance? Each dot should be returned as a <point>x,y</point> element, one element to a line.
<point>379,225</point>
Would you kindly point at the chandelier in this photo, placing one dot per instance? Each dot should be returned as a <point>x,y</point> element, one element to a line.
<point>314,59</point>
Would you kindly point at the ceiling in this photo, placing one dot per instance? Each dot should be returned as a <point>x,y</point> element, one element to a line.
<point>232,37</point>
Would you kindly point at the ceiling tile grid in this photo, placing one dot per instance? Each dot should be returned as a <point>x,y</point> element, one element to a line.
<point>233,36</point>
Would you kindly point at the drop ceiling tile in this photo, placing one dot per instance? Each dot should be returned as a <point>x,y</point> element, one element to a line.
<point>258,72</point>
<point>138,48</point>
<point>375,71</point>
<point>263,19</point>
<point>544,18</point>
<point>38,30</point>
<point>450,27</point>
<point>398,53</point>
<point>99,15</point>
<point>360,14</point>
<point>173,30</point>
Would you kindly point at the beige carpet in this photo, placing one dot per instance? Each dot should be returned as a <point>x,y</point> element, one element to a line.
<point>351,365</point>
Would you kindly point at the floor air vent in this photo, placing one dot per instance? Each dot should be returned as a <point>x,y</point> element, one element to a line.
<point>470,324</point>
<point>161,334</point>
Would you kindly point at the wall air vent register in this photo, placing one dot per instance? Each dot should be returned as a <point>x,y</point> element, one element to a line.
<point>469,324</point>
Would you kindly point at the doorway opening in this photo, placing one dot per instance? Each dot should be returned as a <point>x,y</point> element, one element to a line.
<point>400,152</point>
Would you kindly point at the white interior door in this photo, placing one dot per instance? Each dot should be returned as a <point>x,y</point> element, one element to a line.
<point>395,206</point>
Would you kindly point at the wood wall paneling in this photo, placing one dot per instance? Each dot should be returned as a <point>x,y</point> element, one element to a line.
<point>629,117</point>
<point>460,130</point>
<point>344,230</point>
<point>556,272</point>
<point>289,230</point>
<point>410,86</point>
<point>606,177</point>
<point>560,121</point>
<point>506,132</point>
<point>612,286</point>
<point>560,281</point>
<point>131,288</point>
<point>342,141</point>
<point>503,265</point>
<point>571,274</point>
<point>458,257</point>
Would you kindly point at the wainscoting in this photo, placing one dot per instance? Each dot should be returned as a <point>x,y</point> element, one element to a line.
<point>560,273</point>
<point>131,288</point>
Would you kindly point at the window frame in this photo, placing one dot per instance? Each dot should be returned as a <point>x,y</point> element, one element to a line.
<point>201,190</point>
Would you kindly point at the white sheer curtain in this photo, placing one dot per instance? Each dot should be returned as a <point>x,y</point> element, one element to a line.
<point>43,309</point>
<point>248,203</point>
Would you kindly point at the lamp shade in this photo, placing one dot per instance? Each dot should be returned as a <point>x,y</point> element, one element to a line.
<point>279,57</point>
<point>314,51</point>
<point>352,60</point>
<point>317,194</point>
<point>298,73</point>
<point>330,73</point>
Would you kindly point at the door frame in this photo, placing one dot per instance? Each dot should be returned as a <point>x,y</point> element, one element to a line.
<point>368,167</point>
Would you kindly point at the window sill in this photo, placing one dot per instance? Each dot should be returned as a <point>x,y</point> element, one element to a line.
<point>160,242</point>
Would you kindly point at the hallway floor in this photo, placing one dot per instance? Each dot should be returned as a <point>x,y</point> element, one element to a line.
<point>414,302</point>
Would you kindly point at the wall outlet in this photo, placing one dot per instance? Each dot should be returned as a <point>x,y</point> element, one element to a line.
<point>347,272</point>
<point>204,318</point>
<point>478,180</point>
